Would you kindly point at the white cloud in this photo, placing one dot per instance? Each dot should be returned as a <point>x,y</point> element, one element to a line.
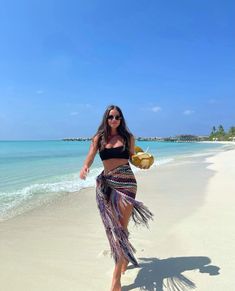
<point>156,108</point>
<point>39,92</point>
<point>188,112</point>
<point>74,113</point>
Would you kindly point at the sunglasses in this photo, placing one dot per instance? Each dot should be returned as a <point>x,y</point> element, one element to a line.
<point>111,117</point>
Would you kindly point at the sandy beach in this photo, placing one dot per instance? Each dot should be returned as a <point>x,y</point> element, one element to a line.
<point>63,246</point>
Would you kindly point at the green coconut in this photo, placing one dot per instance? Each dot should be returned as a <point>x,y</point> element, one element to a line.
<point>138,149</point>
<point>142,159</point>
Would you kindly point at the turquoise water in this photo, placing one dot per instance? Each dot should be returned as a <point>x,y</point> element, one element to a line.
<point>33,172</point>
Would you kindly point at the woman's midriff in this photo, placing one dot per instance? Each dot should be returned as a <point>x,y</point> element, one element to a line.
<point>113,163</point>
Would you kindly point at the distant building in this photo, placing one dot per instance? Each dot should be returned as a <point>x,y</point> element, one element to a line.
<point>77,139</point>
<point>177,138</point>
<point>190,137</point>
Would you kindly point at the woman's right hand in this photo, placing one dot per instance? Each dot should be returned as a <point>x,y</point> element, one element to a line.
<point>84,171</point>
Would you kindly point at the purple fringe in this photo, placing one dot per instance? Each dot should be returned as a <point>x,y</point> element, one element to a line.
<point>108,198</point>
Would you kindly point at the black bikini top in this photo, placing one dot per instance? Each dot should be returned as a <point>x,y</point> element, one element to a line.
<point>114,153</point>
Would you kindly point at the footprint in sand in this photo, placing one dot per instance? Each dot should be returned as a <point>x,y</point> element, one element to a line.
<point>104,253</point>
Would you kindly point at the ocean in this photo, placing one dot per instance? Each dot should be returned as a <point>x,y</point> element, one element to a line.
<point>33,173</point>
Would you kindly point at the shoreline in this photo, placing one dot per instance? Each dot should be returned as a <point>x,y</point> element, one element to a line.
<point>62,245</point>
<point>40,200</point>
<point>217,141</point>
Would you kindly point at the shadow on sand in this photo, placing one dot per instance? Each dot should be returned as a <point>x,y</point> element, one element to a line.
<point>166,274</point>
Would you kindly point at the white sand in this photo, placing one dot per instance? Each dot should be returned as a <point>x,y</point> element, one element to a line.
<point>62,246</point>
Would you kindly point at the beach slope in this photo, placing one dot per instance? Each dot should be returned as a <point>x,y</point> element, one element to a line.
<point>62,246</point>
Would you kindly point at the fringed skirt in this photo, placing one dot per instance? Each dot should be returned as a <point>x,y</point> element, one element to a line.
<point>119,185</point>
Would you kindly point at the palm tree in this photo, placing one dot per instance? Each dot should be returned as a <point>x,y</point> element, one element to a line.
<point>231,131</point>
<point>213,133</point>
<point>221,130</point>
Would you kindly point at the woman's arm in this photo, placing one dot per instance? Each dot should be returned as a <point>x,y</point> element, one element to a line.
<point>132,151</point>
<point>90,157</point>
<point>132,146</point>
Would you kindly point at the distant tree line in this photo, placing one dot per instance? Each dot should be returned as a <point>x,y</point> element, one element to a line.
<point>220,134</point>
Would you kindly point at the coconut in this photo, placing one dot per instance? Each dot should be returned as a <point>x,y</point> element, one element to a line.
<point>142,159</point>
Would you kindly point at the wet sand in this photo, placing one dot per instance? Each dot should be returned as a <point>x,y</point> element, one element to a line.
<point>63,246</point>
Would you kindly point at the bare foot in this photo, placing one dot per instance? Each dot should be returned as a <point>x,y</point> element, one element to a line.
<point>116,286</point>
<point>124,266</point>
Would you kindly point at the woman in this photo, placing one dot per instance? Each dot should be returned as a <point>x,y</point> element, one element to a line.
<point>116,188</point>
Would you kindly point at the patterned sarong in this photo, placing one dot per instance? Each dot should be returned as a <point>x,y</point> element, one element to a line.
<point>117,185</point>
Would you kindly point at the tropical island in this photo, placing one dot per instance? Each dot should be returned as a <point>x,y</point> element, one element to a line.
<point>217,134</point>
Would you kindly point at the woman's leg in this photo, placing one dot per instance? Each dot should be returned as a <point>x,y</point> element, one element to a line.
<point>121,265</point>
<point>126,211</point>
<point>116,281</point>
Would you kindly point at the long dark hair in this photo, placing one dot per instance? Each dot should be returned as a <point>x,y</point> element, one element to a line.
<point>104,129</point>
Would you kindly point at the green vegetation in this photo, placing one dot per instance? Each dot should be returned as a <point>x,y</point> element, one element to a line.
<point>221,134</point>
<point>217,134</point>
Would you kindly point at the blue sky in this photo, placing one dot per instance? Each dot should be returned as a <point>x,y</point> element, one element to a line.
<point>170,66</point>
